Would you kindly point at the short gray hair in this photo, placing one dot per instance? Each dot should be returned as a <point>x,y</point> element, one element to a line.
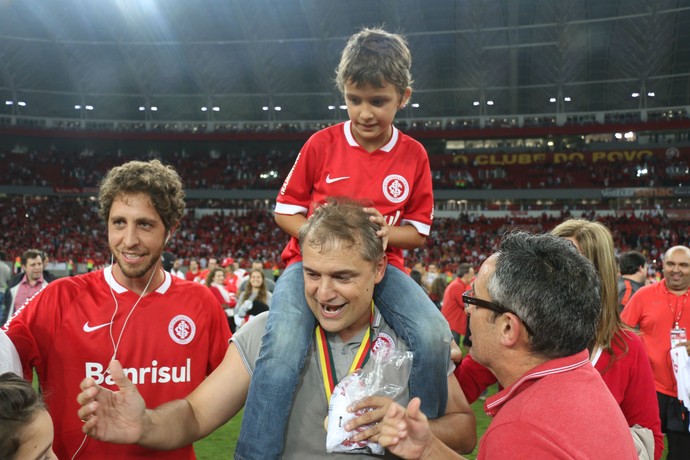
<point>342,221</point>
<point>552,288</point>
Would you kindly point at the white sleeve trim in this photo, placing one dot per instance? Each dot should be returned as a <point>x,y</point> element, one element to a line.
<point>423,229</point>
<point>290,209</point>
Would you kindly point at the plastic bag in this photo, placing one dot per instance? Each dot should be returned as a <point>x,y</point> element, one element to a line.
<point>386,375</point>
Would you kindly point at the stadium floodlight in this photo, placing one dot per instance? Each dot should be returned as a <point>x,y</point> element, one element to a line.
<point>618,136</point>
<point>204,109</point>
<point>475,103</point>
<point>415,105</point>
<point>489,102</point>
<point>277,108</point>
<point>216,109</point>
<point>553,99</point>
<point>89,107</point>
<point>264,108</point>
<point>331,107</point>
<point>343,107</point>
<point>154,109</point>
<point>77,107</point>
<point>651,94</point>
<point>635,94</point>
<point>141,108</point>
<point>567,99</point>
<point>9,103</point>
<point>21,104</point>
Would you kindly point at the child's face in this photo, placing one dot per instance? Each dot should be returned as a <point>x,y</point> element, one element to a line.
<point>372,111</point>
<point>37,439</point>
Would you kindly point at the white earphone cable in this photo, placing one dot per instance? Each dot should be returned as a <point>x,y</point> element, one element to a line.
<point>112,321</point>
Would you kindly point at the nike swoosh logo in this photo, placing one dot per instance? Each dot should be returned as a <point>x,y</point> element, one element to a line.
<point>88,328</point>
<point>330,180</point>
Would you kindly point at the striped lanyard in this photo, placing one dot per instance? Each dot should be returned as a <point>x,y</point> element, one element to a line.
<point>330,379</point>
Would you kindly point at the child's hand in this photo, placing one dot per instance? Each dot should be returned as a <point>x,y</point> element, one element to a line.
<point>377,218</point>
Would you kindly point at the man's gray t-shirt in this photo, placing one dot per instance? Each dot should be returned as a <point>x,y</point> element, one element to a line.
<point>306,435</point>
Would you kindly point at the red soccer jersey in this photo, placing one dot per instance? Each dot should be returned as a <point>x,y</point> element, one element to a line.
<point>453,308</point>
<point>175,336</point>
<point>395,179</point>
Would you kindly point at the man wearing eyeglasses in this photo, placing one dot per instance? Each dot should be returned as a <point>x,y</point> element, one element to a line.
<point>534,309</point>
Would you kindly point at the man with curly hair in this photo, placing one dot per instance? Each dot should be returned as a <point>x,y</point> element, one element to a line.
<point>169,333</point>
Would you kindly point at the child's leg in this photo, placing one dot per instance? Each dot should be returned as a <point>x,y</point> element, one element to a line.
<point>284,347</point>
<point>415,318</point>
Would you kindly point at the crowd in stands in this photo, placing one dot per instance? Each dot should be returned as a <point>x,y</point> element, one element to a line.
<point>454,170</point>
<point>70,229</point>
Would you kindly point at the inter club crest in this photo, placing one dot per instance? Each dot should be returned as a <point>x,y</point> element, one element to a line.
<point>395,188</point>
<point>182,329</point>
<point>384,345</point>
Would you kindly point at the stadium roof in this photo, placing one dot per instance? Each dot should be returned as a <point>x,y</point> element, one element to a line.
<point>241,56</point>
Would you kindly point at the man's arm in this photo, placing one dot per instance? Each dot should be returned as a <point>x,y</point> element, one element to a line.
<point>458,427</point>
<point>121,417</point>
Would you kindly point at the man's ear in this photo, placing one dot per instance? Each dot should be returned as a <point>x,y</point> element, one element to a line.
<point>511,329</point>
<point>381,268</point>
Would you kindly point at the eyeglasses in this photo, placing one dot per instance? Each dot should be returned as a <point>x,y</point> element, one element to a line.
<point>468,299</point>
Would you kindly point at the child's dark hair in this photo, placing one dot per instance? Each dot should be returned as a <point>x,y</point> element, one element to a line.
<point>375,57</point>
<point>19,406</point>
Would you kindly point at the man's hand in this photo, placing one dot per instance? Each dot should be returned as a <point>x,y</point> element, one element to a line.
<point>369,411</point>
<point>405,433</point>
<point>112,416</point>
<point>377,218</point>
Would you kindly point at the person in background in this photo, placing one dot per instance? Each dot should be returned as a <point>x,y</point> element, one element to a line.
<point>176,269</point>
<point>258,265</point>
<point>26,429</point>
<point>203,274</point>
<point>432,273</point>
<point>193,272</point>
<point>169,333</point>
<point>417,278</point>
<point>364,158</point>
<point>662,312</point>
<point>5,276</point>
<point>216,283</point>
<point>535,308</point>
<point>232,276</point>
<point>453,308</point>
<point>31,282</point>
<point>254,299</point>
<point>633,269</point>
<point>616,352</point>
<point>438,288</point>
<point>167,261</point>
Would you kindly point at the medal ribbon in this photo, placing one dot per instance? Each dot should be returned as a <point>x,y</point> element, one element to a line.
<point>330,379</point>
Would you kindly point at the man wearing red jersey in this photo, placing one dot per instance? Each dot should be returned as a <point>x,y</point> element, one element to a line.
<point>453,308</point>
<point>662,312</point>
<point>168,333</point>
<point>193,271</point>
